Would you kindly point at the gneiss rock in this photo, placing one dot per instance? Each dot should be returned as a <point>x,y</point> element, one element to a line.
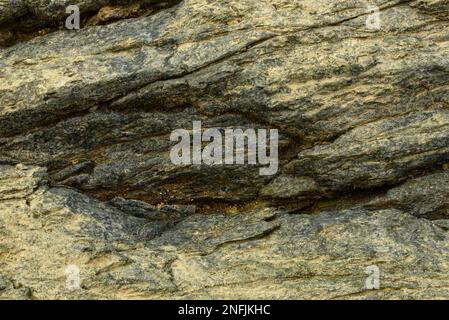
<point>22,20</point>
<point>379,153</point>
<point>264,253</point>
<point>312,71</point>
<point>141,209</point>
<point>229,148</point>
<point>11,10</point>
<point>48,12</point>
<point>91,205</point>
<point>290,187</point>
<point>426,196</point>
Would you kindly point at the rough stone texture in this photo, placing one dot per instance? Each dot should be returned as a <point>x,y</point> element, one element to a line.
<point>86,179</point>
<point>47,11</point>
<point>426,196</point>
<point>21,20</point>
<point>264,253</point>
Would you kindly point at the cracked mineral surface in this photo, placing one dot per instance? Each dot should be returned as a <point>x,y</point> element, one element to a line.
<point>86,179</point>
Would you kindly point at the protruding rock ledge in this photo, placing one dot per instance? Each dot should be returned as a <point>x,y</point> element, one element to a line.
<point>264,253</point>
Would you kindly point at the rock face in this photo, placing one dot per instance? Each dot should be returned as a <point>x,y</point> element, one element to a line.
<point>263,253</point>
<point>91,206</point>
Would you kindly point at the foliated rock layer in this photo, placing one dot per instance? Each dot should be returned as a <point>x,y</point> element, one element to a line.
<point>87,183</point>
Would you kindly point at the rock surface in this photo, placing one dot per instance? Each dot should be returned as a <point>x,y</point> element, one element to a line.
<point>263,253</point>
<point>87,183</point>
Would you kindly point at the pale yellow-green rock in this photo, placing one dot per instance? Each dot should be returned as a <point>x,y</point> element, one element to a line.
<point>265,253</point>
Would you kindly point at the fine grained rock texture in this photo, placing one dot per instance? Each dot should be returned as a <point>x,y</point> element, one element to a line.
<point>86,178</point>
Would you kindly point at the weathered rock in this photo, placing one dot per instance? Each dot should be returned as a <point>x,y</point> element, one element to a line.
<point>146,76</point>
<point>287,187</point>
<point>20,181</point>
<point>12,10</point>
<point>426,197</point>
<point>259,254</point>
<point>379,153</point>
<point>47,12</point>
<point>141,209</point>
<point>22,20</point>
<point>87,183</point>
